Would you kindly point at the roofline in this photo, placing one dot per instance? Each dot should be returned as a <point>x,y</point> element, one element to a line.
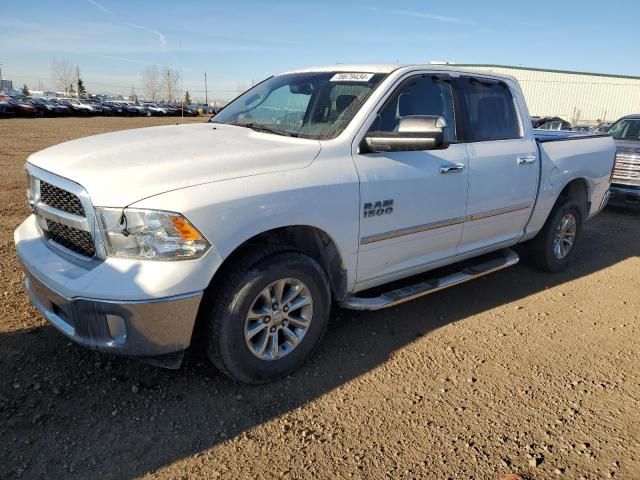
<point>534,69</point>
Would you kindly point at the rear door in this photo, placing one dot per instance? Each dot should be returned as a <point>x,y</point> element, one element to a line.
<point>503,163</point>
<point>412,203</point>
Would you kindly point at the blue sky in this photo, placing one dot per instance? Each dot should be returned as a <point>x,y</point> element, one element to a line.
<point>112,41</point>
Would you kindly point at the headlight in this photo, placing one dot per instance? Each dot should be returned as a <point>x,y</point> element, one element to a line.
<point>150,234</point>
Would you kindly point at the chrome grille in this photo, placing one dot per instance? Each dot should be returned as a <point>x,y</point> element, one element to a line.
<point>627,169</point>
<point>61,199</point>
<point>71,238</point>
<point>64,214</point>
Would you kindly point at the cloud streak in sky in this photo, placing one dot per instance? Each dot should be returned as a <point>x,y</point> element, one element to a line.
<point>161,37</point>
<point>425,15</point>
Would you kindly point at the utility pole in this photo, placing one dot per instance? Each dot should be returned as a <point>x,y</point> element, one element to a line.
<point>169,84</point>
<point>1,84</point>
<point>182,99</point>
<point>206,94</point>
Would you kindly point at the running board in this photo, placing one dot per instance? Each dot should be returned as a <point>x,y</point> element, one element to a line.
<point>391,298</point>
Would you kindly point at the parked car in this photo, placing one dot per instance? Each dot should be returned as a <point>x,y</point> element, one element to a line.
<point>582,128</point>
<point>43,107</point>
<point>154,109</point>
<point>107,110</point>
<point>78,107</point>
<point>625,189</point>
<point>5,109</point>
<point>188,111</point>
<point>601,128</point>
<point>312,187</point>
<point>116,107</point>
<point>20,108</point>
<point>551,123</point>
<point>171,110</point>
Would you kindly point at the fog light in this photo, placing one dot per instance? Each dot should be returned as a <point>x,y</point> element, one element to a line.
<point>117,329</point>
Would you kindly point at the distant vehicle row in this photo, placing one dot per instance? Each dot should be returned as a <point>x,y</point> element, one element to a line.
<point>557,123</point>
<point>60,107</point>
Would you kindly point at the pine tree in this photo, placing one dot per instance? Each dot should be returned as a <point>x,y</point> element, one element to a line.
<point>25,90</point>
<point>72,92</point>
<point>187,98</point>
<point>82,91</point>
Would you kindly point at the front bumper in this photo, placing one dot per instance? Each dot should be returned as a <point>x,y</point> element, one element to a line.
<point>145,328</point>
<point>624,196</point>
<point>138,308</point>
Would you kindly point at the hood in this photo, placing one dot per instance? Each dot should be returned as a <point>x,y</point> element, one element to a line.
<point>120,168</point>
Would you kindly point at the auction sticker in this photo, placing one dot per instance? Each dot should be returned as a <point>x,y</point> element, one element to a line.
<point>351,77</point>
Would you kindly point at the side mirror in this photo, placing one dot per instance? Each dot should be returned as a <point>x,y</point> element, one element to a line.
<point>415,132</point>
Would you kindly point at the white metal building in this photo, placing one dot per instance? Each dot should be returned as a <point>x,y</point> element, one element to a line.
<point>578,97</point>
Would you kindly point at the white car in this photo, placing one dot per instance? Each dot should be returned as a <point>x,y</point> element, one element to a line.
<point>154,109</point>
<point>78,105</point>
<point>311,188</point>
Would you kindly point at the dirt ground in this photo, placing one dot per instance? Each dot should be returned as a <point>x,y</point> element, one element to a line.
<point>521,372</point>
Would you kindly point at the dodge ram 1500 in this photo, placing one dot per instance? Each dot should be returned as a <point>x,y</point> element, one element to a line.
<point>349,185</point>
<point>625,189</point>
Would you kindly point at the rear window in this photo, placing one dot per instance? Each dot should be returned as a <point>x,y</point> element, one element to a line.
<point>489,112</point>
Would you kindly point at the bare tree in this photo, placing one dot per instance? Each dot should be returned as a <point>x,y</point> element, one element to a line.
<point>151,82</point>
<point>170,79</point>
<point>63,74</point>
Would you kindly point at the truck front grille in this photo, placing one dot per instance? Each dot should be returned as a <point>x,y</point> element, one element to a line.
<point>71,238</point>
<point>64,214</point>
<point>61,199</point>
<point>627,169</point>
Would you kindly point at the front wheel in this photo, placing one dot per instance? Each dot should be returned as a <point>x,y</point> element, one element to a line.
<point>554,246</point>
<point>268,317</point>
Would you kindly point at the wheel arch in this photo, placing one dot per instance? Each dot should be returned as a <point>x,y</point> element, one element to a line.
<point>576,190</point>
<point>310,240</point>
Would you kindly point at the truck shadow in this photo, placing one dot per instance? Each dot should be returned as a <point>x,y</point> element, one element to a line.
<point>67,412</point>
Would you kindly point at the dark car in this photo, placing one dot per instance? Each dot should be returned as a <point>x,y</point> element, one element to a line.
<point>116,107</point>
<point>46,108</point>
<point>5,109</point>
<point>625,186</point>
<point>128,109</point>
<point>63,110</point>
<point>582,128</point>
<point>601,128</point>
<point>172,110</point>
<point>187,111</point>
<point>21,109</point>
<point>107,110</point>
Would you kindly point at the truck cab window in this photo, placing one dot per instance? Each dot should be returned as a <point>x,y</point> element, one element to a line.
<point>421,95</point>
<point>489,111</point>
<point>317,105</point>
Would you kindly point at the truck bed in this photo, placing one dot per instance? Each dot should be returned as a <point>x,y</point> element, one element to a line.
<point>543,136</point>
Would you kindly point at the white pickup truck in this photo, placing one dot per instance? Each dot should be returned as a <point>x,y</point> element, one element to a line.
<point>352,185</point>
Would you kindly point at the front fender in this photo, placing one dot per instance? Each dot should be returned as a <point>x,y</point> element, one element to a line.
<point>233,211</point>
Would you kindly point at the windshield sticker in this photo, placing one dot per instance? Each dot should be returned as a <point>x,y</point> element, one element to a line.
<point>351,77</point>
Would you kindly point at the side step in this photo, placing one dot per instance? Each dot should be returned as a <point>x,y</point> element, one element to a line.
<point>506,258</point>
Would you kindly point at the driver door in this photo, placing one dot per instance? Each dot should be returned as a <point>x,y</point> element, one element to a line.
<point>413,203</point>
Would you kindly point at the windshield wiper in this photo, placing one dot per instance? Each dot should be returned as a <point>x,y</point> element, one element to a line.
<point>262,128</point>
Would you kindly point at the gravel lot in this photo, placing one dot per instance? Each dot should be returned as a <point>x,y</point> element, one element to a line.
<point>520,372</point>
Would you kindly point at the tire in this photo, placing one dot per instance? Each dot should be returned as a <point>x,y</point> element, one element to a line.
<point>543,251</point>
<point>228,320</point>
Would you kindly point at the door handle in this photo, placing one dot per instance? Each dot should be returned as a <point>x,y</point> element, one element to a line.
<point>526,159</point>
<point>455,168</point>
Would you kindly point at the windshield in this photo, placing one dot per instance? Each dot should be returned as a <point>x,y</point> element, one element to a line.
<point>316,105</point>
<point>626,129</point>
